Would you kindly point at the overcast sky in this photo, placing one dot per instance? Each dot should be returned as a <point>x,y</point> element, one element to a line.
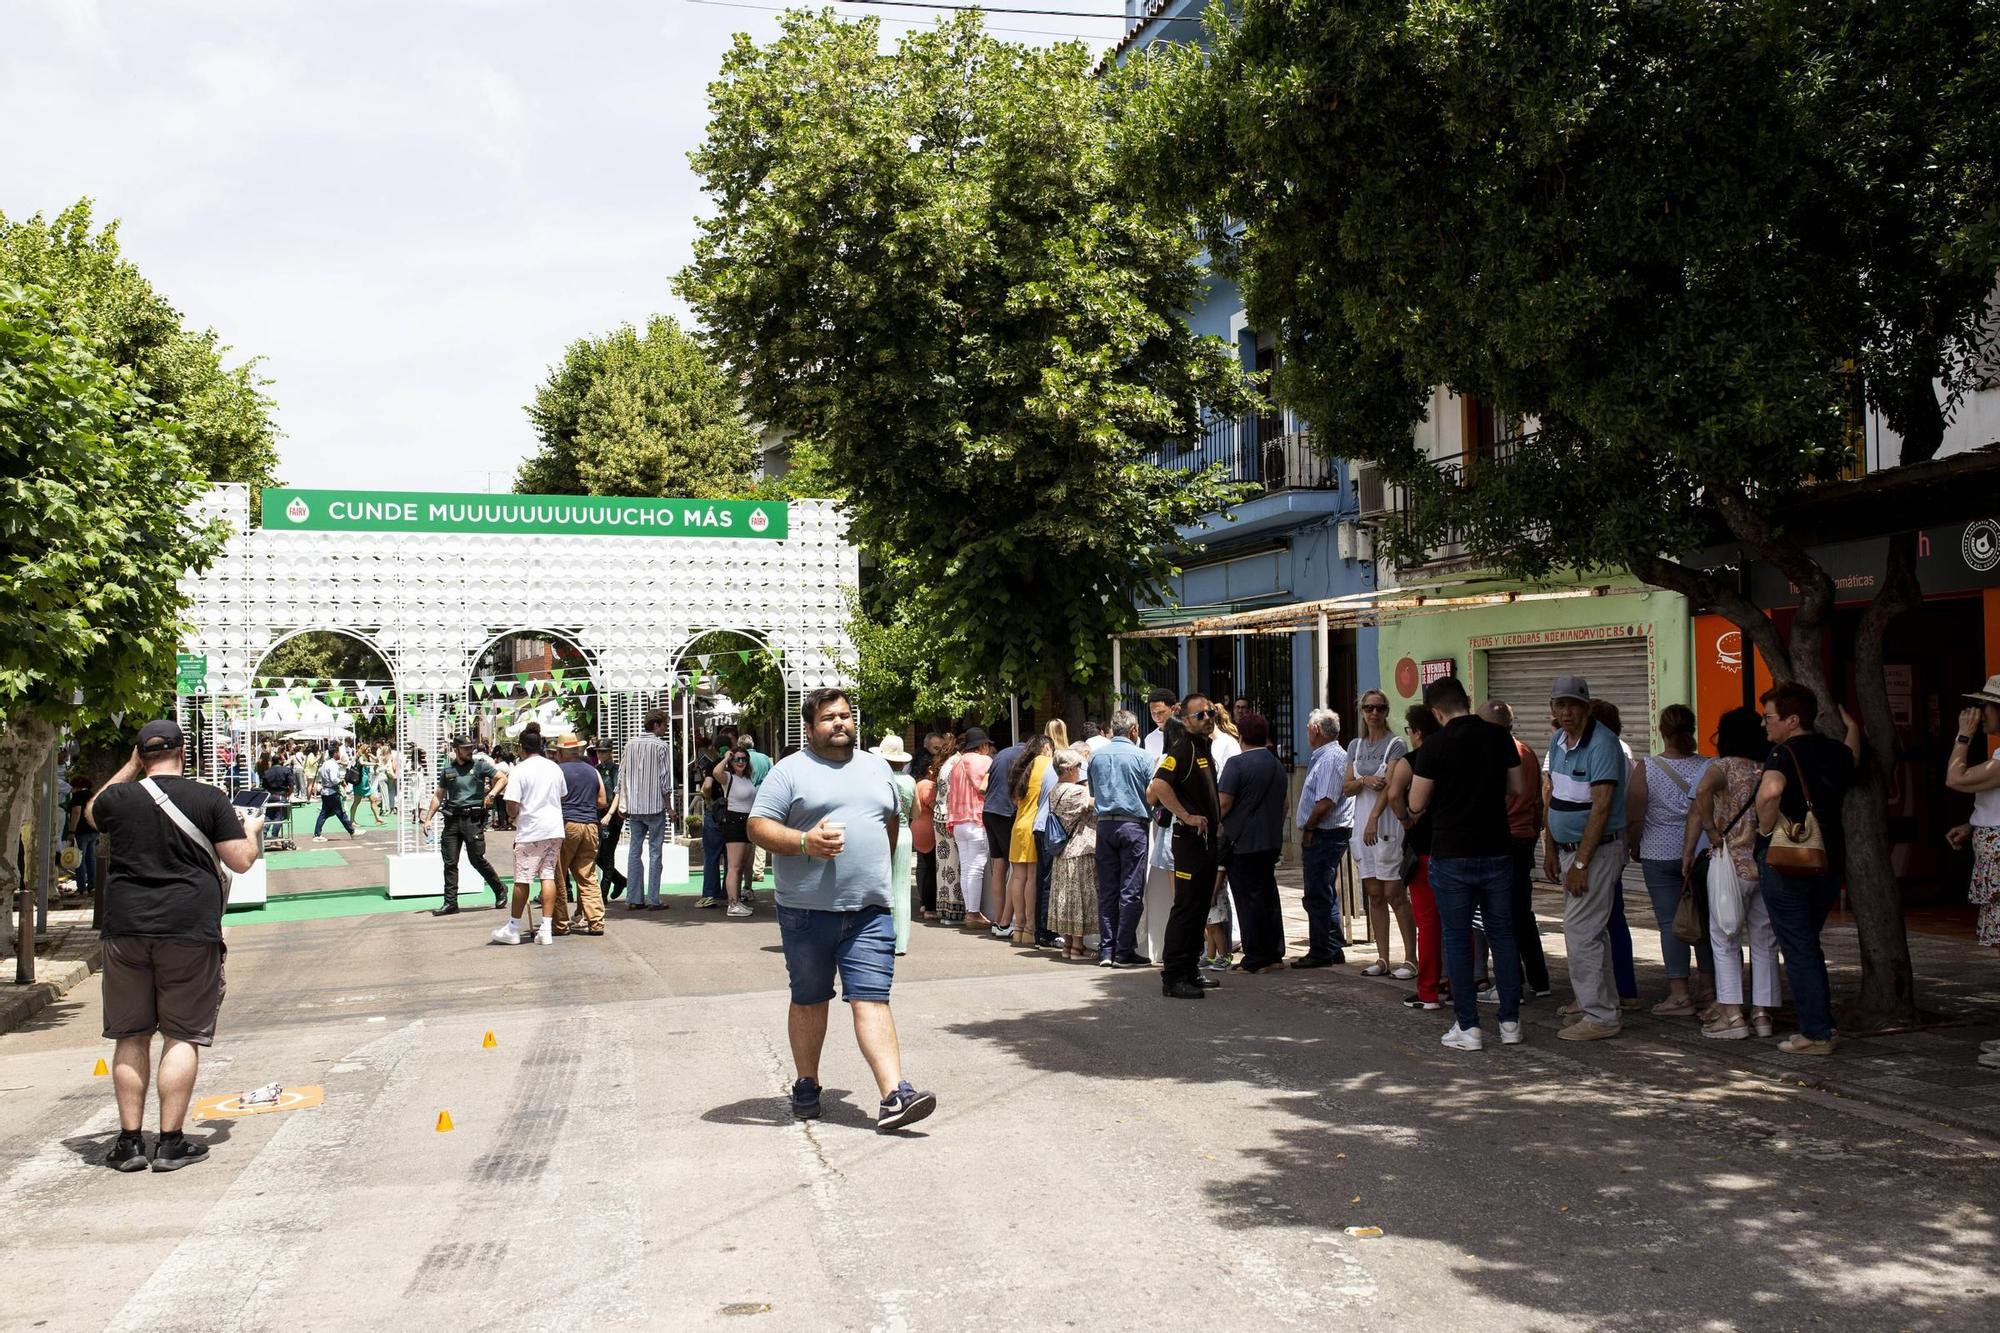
<point>407,207</point>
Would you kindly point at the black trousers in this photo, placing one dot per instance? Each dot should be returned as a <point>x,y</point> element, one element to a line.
<point>1194,893</point>
<point>927,880</point>
<point>607,854</point>
<point>467,829</point>
<point>1253,878</point>
<point>1527,935</point>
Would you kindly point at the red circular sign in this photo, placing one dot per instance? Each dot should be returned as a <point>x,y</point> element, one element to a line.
<point>1406,677</point>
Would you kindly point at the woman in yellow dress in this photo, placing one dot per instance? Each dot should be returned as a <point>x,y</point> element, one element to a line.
<point>1029,784</point>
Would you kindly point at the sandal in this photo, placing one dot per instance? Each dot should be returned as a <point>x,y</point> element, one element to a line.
<point>1378,968</point>
<point>1404,972</point>
<point>1672,1008</point>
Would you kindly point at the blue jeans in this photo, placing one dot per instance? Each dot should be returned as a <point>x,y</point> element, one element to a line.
<point>1322,857</point>
<point>1461,883</point>
<point>859,946</point>
<point>1798,906</point>
<point>714,852</point>
<point>1121,885</point>
<point>649,834</point>
<point>330,805</point>
<point>1663,885</point>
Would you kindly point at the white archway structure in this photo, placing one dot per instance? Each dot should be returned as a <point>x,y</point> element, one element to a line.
<point>431,601</point>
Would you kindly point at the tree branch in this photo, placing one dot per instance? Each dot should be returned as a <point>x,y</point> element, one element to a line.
<point>1704,589</point>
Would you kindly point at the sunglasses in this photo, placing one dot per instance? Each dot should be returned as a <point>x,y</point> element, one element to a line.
<point>1374,708</point>
<point>1202,716</point>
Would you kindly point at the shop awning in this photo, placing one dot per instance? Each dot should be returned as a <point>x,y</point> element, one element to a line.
<point>1352,609</point>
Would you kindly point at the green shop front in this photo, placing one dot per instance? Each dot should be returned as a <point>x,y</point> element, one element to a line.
<point>1510,641</point>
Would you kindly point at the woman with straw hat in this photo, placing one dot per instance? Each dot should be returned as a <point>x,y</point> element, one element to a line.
<point>891,751</point>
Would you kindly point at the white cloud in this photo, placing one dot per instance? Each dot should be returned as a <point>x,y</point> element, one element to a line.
<point>408,209</point>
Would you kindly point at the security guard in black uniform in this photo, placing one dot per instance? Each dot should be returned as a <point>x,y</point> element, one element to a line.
<point>467,785</point>
<point>1184,784</point>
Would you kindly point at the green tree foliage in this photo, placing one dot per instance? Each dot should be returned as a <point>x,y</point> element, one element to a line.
<point>638,414</point>
<point>94,538</point>
<point>224,416</point>
<point>324,655</point>
<point>929,263</point>
<point>1670,235</point>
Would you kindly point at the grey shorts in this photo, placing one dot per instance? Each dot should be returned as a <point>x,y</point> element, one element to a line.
<point>170,986</point>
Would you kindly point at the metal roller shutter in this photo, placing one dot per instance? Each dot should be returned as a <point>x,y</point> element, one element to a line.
<point>1620,671</point>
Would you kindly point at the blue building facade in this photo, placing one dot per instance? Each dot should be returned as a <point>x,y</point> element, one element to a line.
<point>1294,538</point>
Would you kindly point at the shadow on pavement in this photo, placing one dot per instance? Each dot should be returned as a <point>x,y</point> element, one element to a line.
<point>1653,1194</point>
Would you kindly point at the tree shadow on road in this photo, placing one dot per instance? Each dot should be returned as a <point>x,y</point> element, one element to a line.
<point>1627,1188</point>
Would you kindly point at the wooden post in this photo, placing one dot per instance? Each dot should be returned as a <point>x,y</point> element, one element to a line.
<point>1323,663</point>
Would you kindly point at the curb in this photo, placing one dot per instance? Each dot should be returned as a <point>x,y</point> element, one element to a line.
<point>57,977</point>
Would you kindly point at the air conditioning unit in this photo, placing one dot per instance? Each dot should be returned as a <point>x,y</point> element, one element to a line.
<point>1369,492</point>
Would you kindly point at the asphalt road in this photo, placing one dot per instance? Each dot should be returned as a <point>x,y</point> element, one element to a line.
<point>1101,1159</point>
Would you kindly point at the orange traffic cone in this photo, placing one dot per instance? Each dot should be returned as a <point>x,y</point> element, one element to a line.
<point>101,1070</point>
<point>444,1122</point>
<point>490,1042</point>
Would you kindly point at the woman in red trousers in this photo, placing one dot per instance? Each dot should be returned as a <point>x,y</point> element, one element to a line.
<point>1420,723</point>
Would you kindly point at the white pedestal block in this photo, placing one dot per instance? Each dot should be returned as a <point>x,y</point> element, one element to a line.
<point>674,863</point>
<point>251,888</point>
<point>421,875</point>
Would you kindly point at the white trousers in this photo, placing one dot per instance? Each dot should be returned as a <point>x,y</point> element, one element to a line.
<point>970,839</point>
<point>1763,958</point>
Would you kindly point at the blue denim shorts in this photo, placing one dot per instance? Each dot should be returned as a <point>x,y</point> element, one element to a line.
<point>861,946</point>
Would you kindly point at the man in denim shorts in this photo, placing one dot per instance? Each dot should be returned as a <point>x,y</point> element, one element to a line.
<point>827,814</point>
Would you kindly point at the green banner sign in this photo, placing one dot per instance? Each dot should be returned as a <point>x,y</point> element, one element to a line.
<point>190,673</point>
<point>596,516</point>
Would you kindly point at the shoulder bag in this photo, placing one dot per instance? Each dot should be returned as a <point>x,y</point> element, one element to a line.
<point>1688,925</point>
<point>1798,850</point>
<point>195,835</point>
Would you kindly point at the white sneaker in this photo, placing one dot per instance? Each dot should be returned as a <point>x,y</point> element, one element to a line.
<point>1490,995</point>
<point>1510,1034</point>
<point>507,934</point>
<point>737,909</point>
<point>1464,1039</point>
<point>1990,1047</point>
<point>546,934</point>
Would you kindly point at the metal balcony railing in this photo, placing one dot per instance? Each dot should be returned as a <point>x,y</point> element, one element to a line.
<point>1461,470</point>
<point>1267,453</point>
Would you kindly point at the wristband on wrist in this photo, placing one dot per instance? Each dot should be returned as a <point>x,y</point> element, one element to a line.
<point>1964,740</point>
<point>802,844</point>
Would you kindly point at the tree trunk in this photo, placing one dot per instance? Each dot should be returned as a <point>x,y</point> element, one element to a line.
<point>24,749</point>
<point>1888,986</point>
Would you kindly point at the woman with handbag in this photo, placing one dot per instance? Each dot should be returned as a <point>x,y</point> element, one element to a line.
<point>1656,817</point>
<point>1982,780</point>
<point>1801,849</point>
<point>1721,809</point>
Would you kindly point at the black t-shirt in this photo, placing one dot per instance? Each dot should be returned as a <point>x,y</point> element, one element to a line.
<point>1828,766</point>
<point>279,780</point>
<point>1256,821</point>
<point>157,881</point>
<point>1467,764</point>
<point>1190,770</point>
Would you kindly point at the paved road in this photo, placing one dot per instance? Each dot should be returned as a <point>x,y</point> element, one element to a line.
<point>1102,1159</point>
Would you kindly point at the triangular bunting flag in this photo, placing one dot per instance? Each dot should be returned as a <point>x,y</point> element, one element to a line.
<point>743,656</point>
<point>703,658</point>
<point>556,674</point>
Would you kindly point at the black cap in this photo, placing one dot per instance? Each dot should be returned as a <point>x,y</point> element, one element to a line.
<point>461,742</point>
<point>973,738</point>
<point>161,737</point>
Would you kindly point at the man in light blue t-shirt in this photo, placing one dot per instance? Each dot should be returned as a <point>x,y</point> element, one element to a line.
<point>828,816</point>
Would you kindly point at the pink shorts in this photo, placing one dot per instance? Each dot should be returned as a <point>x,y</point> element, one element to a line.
<point>536,859</point>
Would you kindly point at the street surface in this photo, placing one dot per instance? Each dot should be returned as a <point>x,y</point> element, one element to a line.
<point>1101,1158</point>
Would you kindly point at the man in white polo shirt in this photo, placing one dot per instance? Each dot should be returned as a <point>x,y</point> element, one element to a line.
<point>534,799</point>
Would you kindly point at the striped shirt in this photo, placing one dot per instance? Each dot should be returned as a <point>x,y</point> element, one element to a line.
<point>642,774</point>
<point>1597,760</point>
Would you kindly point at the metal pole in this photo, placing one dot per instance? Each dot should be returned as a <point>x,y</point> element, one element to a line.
<point>1322,662</point>
<point>1014,719</point>
<point>1117,674</point>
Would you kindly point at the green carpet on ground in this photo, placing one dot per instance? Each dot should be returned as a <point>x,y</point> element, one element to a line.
<point>311,860</point>
<point>372,901</point>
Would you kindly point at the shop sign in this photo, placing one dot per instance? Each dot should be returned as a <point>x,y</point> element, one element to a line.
<point>1571,634</point>
<point>1953,557</point>
<point>1436,669</point>
<point>285,508</point>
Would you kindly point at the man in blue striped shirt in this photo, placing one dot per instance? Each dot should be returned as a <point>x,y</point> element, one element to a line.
<point>1586,778</point>
<point>643,776</point>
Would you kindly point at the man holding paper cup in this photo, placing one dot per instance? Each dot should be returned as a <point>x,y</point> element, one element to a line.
<point>828,816</point>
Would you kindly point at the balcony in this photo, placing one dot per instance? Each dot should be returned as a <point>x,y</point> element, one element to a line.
<point>1461,470</point>
<point>1267,453</point>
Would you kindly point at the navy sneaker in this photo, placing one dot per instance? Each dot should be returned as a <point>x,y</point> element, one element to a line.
<point>127,1154</point>
<point>805,1099</point>
<point>905,1106</point>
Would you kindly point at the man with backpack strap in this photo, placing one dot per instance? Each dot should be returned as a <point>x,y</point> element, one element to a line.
<point>163,903</point>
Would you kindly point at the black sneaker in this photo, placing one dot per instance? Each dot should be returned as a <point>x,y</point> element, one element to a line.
<point>173,1154</point>
<point>903,1107</point>
<point>1311,960</point>
<point>1130,958</point>
<point>617,892</point>
<point>1419,1002</point>
<point>499,896</point>
<point>805,1100</point>
<point>1338,957</point>
<point>449,909</point>
<point>1184,990</point>
<point>127,1154</point>
<point>1207,983</point>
